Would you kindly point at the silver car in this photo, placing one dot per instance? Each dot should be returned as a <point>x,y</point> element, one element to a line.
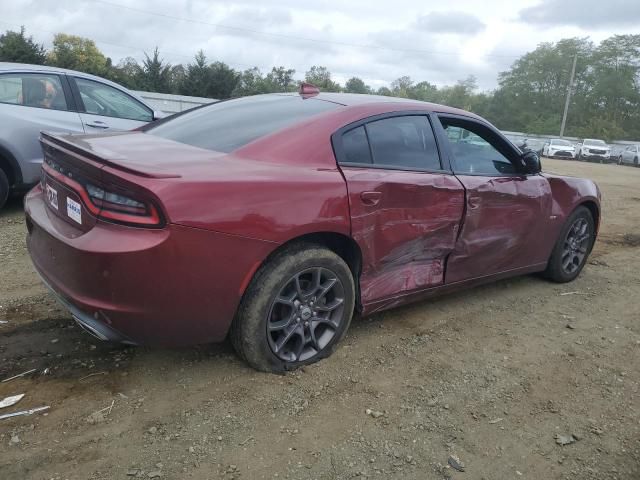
<point>630,155</point>
<point>34,98</point>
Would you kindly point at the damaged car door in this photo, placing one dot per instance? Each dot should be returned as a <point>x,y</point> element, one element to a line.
<point>406,206</point>
<point>507,215</point>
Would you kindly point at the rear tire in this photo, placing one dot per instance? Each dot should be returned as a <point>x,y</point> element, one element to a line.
<point>4,188</point>
<point>296,309</point>
<point>635,162</point>
<point>572,248</point>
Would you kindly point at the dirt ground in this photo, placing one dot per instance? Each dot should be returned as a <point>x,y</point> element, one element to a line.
<point>490,375</point>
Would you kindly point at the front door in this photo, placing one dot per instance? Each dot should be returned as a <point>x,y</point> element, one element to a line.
<point>507,216</point>
<point>405,207</point>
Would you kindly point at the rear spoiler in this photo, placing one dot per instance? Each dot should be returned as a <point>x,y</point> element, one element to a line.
<point>66,144</point>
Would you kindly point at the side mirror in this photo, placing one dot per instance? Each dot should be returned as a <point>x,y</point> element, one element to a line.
<point>531,162</point>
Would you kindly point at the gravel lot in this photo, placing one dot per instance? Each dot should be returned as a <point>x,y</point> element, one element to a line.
<point>490,375</point>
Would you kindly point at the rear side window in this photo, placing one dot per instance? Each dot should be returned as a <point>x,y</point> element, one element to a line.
<point>32,90</point>
<point>229,125</point>
<point>356,146</point>
<point>405,142</point>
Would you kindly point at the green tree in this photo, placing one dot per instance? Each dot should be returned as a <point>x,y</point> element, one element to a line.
<point>17,47</point>
<point>321,78</point>
<point>614,96</point>
<point>425,92</point>
<point>223,80</point>
<point>280,79</point>
<point>197,78</point>
<point>356,85</point>
<point>125,73</point>
<point>154,75</point>
<point>401,87</point>
<point>250,82</point>
<point>78,53</point>
<point>531,94</point>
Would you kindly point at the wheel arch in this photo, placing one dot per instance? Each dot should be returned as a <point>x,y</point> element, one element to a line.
<point>342,245</point>
<point>594,209</point>
<point>10,166</point>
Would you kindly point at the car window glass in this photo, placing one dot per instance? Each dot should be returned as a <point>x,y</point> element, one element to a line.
<point>228,125</point>
<point>475,152</point>
<point>101,99</point>
<point>32,90</point>
<point>405,142</point>
<point>356,146</point>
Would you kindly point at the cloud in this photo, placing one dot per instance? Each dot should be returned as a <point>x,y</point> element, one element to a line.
<point>361,38</point>
<point>588,14</point>
<point>450,22</point>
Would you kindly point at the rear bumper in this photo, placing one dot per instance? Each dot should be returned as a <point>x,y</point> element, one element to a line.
<point>90,324</point>
<point>170,287</point>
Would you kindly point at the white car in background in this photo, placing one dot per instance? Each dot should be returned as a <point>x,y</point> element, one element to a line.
<point>558,148</point>
<point>593,149</point>
<point>630,156</point>
<point>34,98</point>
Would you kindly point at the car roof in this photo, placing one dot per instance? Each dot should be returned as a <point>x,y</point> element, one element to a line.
<point>7,67</point>
<point>363,99</point>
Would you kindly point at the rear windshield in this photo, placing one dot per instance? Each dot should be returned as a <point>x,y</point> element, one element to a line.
<point>229,125</point>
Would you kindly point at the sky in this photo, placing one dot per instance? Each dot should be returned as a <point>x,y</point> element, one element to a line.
<point>378,41</point>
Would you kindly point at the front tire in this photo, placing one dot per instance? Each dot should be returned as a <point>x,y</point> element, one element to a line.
<point>573,247</point>
<point>296,309</point>
<point>4,188</point>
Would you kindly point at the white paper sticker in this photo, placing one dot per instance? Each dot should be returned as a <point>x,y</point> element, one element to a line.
<point>52,197</point>
<point>74,210</point>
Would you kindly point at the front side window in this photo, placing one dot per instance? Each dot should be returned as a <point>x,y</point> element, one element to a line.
<point>101,99</point>
<point>32,90</point>
<point>476,150</point>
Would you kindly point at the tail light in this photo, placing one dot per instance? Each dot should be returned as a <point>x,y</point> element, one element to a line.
<point>108,203</point>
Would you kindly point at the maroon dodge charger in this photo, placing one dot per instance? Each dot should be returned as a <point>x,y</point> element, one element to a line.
<point>272,219</point>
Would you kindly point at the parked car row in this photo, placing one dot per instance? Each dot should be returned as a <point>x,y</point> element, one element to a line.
<point>34,98</point>
<point>589,150</point>
<point>630,156</point>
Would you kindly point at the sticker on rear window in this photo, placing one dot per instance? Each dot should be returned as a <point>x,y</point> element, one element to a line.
<point>52,197</point>
<point>74,210</point>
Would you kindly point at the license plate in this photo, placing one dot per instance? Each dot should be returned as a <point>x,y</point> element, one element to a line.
<point>52,197</point>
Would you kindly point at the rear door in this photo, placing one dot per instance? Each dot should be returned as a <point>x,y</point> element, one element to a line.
<point>104,107</point>
<point>405,204</point>
<point>507,217</point>
<point>31,102</point>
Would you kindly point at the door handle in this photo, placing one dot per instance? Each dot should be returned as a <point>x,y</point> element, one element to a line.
<point>370,198</point>
<point>97,124</point>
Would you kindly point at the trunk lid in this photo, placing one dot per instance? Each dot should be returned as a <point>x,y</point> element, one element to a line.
<point>134,152</point>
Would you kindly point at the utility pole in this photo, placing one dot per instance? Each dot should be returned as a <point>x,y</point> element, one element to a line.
<point>569,90</point>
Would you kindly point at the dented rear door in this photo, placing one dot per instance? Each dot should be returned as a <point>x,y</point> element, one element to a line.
<point>405,207</point>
